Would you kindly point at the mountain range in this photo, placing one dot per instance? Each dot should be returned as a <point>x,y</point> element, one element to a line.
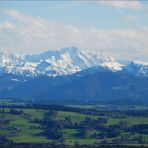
<point>55,62</point>
<point>71,74</point>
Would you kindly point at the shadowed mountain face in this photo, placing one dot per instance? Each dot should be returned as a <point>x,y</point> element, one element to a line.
<point>92,85</point>
<point>102,86</point>
<point>8,81</point>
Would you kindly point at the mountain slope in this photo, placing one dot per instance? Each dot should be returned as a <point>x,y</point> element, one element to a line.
<point>100,86</point>
<point>136,68</point>
<point>8,81</point>
<point>91,85</point>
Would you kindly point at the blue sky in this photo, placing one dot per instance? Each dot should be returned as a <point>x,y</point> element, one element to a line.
<point>118,27</point>
<point>79,13</point>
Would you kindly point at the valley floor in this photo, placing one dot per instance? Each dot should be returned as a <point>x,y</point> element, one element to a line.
<point>72,126</point>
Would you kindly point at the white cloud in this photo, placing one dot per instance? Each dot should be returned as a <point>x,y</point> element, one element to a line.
<point>6,25</point>
<point>122,4</point>
<point>23,33</point>
<point>131,18</point>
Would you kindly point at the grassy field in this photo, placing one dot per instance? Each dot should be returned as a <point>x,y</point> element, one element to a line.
<point>21,128</point>
<point>26,130</point>
<point>75,117</point>
<point>129,120</point>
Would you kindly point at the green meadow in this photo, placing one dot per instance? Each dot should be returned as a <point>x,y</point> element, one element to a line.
<point>72,124</point>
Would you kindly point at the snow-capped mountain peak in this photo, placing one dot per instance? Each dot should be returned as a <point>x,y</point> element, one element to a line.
<point>9,59</point>
<point>64,61</point>
<point>137,68</point>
